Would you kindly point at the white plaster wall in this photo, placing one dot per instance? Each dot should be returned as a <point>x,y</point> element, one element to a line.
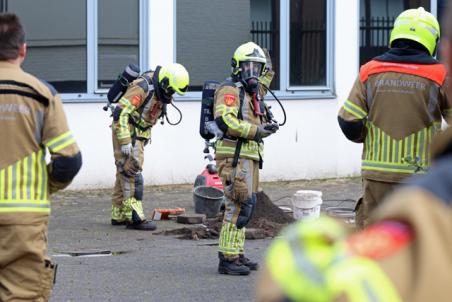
<point>310,145</point>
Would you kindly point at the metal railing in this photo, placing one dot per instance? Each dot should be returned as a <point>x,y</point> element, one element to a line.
<point>374,36</point>
<point>307,49</point>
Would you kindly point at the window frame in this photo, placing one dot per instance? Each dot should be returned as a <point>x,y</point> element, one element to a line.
<point>287,92</point>
<point>93,93</point>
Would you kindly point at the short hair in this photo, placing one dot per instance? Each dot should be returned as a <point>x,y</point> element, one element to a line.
<point>12,36</point>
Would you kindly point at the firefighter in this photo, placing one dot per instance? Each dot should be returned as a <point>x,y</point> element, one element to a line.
<point>395,107</point>
<point>404,255</point>
<point>32,121</point>
<point>240,117</point>
<point>133,118</point>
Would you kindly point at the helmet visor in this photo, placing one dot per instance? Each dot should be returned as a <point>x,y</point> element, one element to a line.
<point>249,69</point>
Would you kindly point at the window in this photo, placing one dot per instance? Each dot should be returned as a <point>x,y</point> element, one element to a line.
<point>307,50</point>
<point>297,33</point>
<point>376,22</point>
<point>80,47</point>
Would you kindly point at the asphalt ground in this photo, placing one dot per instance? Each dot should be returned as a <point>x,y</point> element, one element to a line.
<point>142,266</point>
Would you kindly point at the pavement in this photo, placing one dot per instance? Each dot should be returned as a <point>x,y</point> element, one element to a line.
<point>143,266</point>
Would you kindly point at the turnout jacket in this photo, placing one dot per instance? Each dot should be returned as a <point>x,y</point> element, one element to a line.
<point>227,105</point>
<point>32,121</point>
<point>421,265</point>
<point>394,108</point>
<point>137,111</point>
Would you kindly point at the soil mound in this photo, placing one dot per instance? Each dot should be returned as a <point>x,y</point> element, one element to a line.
<point>267,221</point>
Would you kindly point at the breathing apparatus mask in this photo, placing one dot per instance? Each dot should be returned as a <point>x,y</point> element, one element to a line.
<point>249,75</point>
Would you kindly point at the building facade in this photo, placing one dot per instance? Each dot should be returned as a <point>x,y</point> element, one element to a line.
<point>316,45</point>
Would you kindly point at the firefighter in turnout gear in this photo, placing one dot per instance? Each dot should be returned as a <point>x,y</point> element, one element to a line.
<point>396,258</point>
<point>32,121</point>
<point>240,117</point>
<point>395,108</point>
<point>133,118</point>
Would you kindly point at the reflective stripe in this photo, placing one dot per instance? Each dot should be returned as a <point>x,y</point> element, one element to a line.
<point>24,181</point>
<point>62,142</point>
<point>39,175</point>
<point>361,279</point>
<point>411,151</point>
<point>18,185</point>
<point>301,259</point>
<point>2,184</point>
<point>389,167</point>
<point>33,176</point>
<point>231,239</point>
<point>56,140</point>
<point>354,110</point>
<point>44,183</point>
<point>10,183</point>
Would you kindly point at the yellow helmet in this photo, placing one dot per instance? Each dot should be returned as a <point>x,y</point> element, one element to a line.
<point>174,78</point>
<point>417,25</point>
<point>248,52</point>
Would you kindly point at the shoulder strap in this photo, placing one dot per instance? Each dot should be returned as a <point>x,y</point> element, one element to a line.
<point>238,146</point>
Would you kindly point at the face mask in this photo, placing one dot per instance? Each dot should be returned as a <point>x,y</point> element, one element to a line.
<point>251,85</point>
<point>249,73</point>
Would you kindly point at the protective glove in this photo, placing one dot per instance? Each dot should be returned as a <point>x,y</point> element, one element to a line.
<point>212,127</point>
<point>273,127</point>
<point>126,149</point>
<point>261,133</point>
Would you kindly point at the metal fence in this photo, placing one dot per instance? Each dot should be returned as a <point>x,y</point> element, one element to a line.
<point>374,36</point>
<point>263,33</point>
<point>307,49</point>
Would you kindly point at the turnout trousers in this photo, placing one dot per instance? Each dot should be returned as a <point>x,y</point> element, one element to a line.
<point>374,193</point>
<point>240,192</point>
<point>128,189</point>
<point>26,273</point>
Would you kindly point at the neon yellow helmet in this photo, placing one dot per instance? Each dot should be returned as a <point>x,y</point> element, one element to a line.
<point>174,78</point>
<point>248,52</point>
<point>417,25</point>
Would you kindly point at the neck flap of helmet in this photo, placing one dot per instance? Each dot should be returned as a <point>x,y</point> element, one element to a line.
<point>163,95</point>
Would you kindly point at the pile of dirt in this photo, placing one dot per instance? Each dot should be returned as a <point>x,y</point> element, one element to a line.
<point>268,217</point>
<point>267,221</point>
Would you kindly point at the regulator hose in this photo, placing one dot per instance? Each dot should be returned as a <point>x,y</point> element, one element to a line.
<point>279,102</point>
<point>167,119</point>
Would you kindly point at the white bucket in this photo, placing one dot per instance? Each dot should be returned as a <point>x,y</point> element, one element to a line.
<point>306,204</point>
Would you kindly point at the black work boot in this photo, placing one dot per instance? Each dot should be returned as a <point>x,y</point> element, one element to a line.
<point>145,225</point>
<point>117,222</point>
<point>247,262</point>
<point>142,225</point>
<point>234,267</point>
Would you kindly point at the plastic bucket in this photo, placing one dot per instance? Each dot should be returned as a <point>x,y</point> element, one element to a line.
<point>306,204</point>
<point>207,200</point>
<point>343,213</point>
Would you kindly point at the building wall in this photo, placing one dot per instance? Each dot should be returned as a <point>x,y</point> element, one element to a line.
<point>310,145</point>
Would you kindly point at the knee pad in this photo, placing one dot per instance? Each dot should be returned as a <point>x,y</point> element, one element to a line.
<point>138,187</point>
<point>246,211</point>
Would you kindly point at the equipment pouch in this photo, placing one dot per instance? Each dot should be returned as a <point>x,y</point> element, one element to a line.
<point>48,278</point>
<point>131,166</point>
<point>237,191</point>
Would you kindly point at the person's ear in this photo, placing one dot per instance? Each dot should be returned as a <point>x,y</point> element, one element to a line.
<point>22,52</point>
